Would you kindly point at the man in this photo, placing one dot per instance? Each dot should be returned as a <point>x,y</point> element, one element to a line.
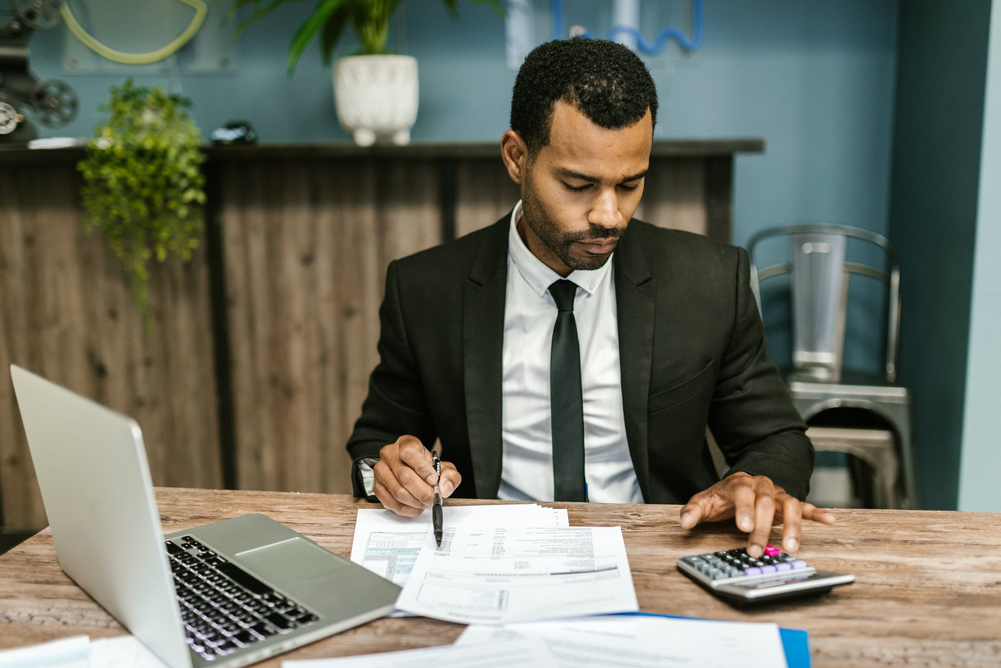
<point>557,355</point>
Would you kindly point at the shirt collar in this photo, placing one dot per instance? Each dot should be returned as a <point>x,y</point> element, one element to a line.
<point>537,273</point>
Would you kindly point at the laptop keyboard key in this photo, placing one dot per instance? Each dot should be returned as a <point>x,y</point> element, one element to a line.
<point>264,630</point>
<point>280,622</point>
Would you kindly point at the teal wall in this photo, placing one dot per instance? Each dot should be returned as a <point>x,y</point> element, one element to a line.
<point>933,219</point>
<point>813,78</point>
<point>981,460</point>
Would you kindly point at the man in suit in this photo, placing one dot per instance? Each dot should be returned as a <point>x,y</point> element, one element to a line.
<point>558,355</point>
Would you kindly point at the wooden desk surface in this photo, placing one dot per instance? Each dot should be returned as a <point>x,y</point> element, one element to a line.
<point>928,588</point>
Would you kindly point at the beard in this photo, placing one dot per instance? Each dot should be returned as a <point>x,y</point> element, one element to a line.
<point>560,242</point>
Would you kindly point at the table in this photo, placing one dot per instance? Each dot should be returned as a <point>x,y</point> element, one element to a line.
<point>928,588</point>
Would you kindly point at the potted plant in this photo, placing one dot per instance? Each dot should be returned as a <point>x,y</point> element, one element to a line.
<point>143,186</point>
<point>375,91</point>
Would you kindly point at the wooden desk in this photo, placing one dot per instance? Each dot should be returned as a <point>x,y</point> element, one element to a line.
<point>928,590</point>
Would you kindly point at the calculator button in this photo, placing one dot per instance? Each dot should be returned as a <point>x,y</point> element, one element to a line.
<point>783,567</point>
<point>752,571</point>
<point>768,569</point>
<point>772,551</point>
<point>798,564</point>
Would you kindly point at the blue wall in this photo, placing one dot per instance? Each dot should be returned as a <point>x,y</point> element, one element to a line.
<point>814,79</point>
<point>936,178</point>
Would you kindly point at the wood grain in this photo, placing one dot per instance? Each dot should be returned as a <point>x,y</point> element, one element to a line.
<point>67,314</point>
<point>306,247</point>
<point>304,243</point>
<point>928,590</point>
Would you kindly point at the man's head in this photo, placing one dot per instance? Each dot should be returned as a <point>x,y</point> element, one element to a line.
<point>582,119</point>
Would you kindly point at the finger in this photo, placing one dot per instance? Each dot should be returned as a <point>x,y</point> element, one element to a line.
<point>743,501</point>
<point>411,487</point>
<point>815,514</point>
<point>764,515</point>
<point>693,512</point>
<point>450,479</point>
<point>394,477</point>
<point>390,503</point>
<point>792,519</point>
<point>416,456</point>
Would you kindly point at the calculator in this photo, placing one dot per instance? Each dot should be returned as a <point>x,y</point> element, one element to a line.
<point>740,579</point>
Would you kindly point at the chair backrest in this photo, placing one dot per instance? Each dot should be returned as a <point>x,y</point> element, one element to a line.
<point>820,272</point>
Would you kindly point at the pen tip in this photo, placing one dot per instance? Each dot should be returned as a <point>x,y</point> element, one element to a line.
<point>437,538</point>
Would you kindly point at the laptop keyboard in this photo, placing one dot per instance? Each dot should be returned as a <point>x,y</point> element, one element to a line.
<point>225,608</point>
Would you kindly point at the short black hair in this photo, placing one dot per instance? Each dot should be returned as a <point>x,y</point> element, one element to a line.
<point>604,80</point>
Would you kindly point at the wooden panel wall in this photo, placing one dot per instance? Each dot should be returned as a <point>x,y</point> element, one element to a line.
<point>67,314</point>
<point>306,248</point>
<point>262,391</point>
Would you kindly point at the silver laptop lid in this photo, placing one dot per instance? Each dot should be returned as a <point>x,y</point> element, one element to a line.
<point>98,496</point>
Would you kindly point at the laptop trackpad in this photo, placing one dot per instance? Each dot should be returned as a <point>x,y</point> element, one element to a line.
<point>291,561</point>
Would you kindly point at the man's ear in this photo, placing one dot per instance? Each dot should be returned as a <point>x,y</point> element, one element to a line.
<point>514,152</point>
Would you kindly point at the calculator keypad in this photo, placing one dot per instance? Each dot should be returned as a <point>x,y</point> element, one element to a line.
<point>719,566</point>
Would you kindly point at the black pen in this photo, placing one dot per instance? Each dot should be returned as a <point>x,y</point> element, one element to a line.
<point>436,510</point>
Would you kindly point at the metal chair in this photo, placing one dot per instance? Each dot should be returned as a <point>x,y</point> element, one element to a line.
<point>820,280</point>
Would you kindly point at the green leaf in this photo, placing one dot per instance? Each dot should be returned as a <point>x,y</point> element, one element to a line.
<point>307,31</point>
<point>258,13</point>
<point>332,31</point>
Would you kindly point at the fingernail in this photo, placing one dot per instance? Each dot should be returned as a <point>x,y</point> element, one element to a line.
<point>745,523</point>
<point>829,517</point>
<point>432,479</point>
<point>792,545</point>
<point>755,551</point>
<point>446,488</point>
<point>684,518</point>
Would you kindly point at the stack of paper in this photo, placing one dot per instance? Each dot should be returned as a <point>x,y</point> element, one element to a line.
<point>524,653</point>
<point>80,652</point>
<point>498,575</point>
<point>388,544</point>
<point>497,564</point>
<point>621,641</point>
<point>644,642</point>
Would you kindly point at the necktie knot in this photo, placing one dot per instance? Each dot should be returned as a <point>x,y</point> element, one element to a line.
<point>563,292</point>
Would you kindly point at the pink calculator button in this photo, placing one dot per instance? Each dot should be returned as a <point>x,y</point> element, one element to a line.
<point>771,551</point>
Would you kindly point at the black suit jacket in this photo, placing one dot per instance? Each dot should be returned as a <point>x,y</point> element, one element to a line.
<point>691,350</point>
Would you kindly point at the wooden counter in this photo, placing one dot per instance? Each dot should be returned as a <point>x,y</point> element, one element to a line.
<point>259,362</point>
<point>927,593</point>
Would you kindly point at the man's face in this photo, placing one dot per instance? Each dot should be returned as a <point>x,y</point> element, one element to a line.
<point>580,192</point>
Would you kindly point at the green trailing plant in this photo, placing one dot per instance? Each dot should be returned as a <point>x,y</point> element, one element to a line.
<point>143,185</point>
<point>368,18</point>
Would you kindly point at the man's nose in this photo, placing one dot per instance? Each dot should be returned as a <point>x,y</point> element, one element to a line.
<point>605,211</point>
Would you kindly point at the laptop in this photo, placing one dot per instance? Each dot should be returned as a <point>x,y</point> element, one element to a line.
<point>228,593</point>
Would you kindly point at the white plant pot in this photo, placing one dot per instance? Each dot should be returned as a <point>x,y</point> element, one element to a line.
<point>376,97</point>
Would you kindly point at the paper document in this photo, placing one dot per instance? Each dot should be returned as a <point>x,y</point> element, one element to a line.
<point>122,652</point>
<point>388,544</point>
<point>499,575</point>
<point>80,652</point>
<point>71,652</point>
<point>523,653</point>
<point>645,642</point>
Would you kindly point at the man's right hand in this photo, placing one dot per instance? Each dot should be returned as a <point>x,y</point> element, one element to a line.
<point>405,477</point>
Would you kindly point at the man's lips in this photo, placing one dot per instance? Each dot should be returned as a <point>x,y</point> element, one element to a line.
<point>603,246</point>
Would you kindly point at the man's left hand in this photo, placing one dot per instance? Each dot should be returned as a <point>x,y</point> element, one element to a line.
<point>757,503</point>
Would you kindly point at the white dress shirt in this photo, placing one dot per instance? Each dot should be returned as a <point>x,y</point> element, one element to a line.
<point>529,319</point>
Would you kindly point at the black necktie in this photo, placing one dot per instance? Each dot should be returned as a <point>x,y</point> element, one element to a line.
<point>566,398</point>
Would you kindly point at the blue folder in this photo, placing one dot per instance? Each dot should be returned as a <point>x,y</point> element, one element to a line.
<point>795,642</point>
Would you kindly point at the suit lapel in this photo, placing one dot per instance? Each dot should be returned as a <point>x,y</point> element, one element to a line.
<point>484,297</point>
<point>635,295</point>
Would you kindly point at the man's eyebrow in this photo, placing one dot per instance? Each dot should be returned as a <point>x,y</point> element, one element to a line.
<point>570,174</point>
